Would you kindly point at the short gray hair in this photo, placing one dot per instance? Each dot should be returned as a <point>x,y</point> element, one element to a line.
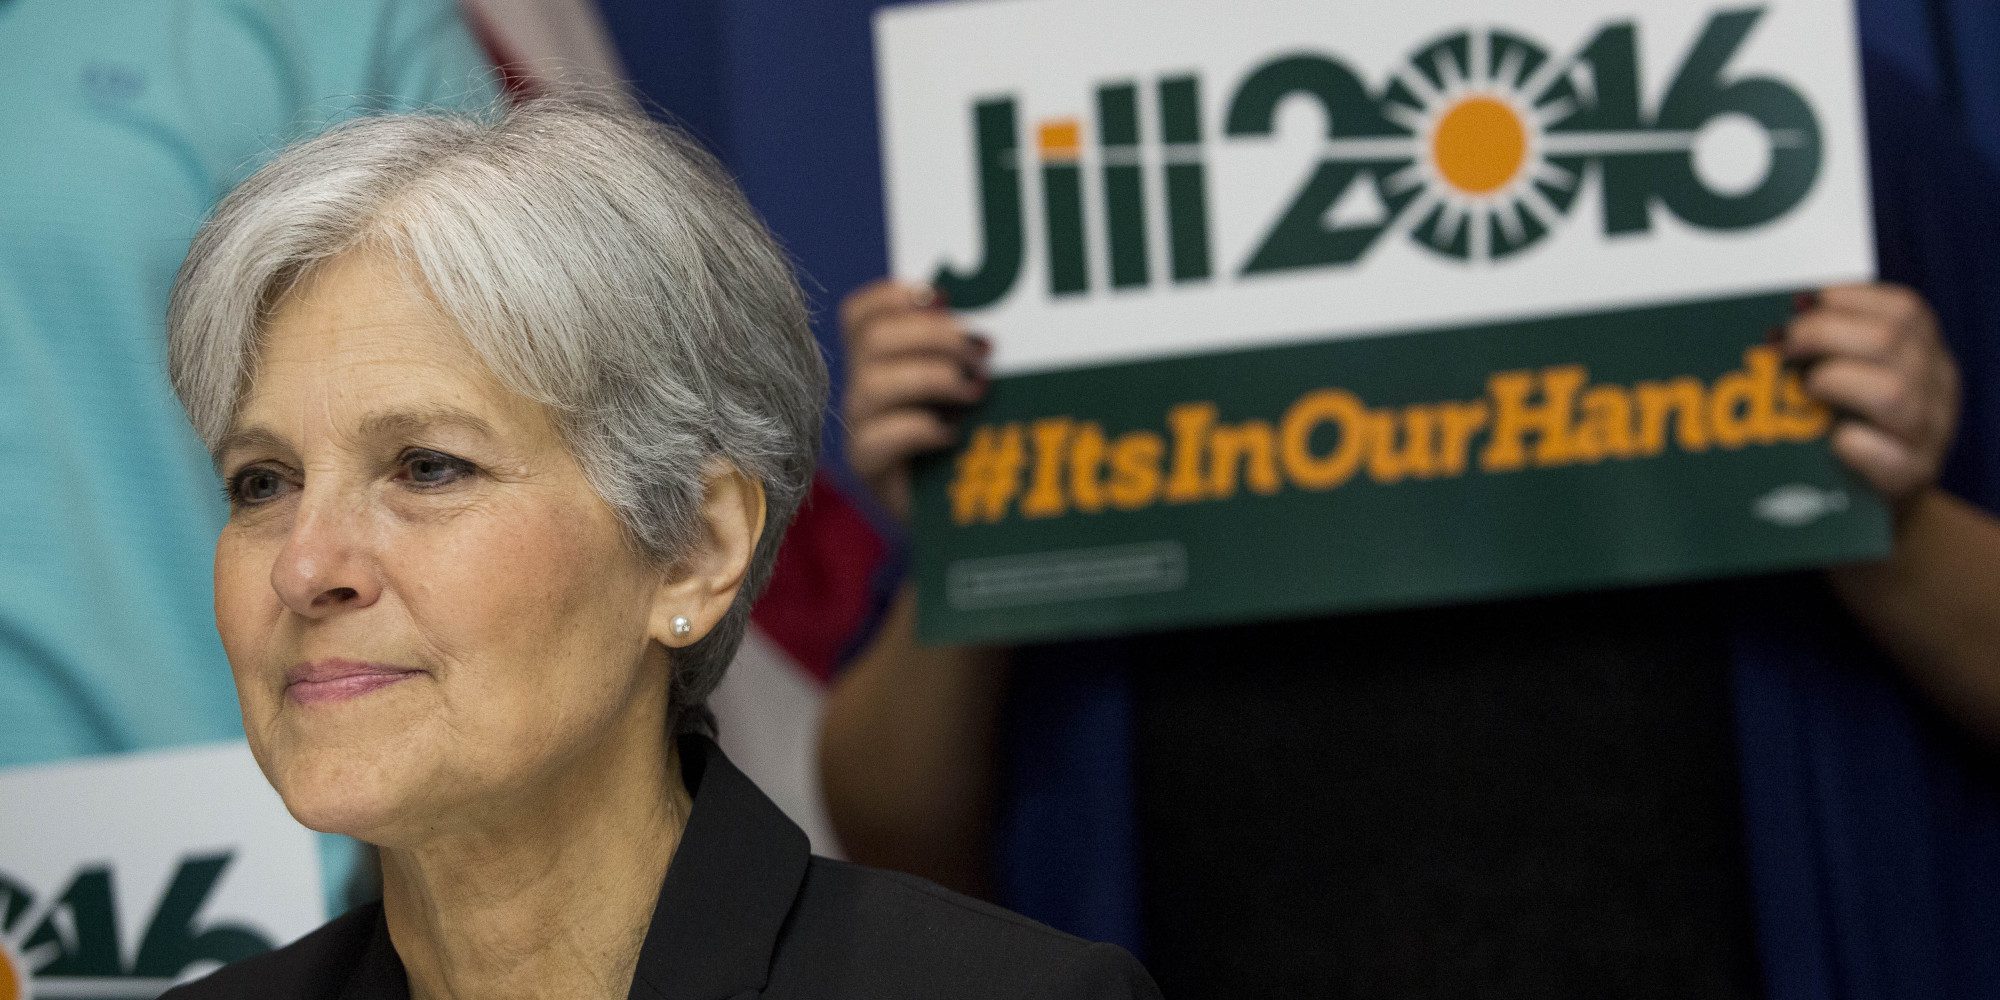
<point>599,262</point>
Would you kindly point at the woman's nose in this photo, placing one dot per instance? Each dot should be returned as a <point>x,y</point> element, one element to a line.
<point>325,567</point>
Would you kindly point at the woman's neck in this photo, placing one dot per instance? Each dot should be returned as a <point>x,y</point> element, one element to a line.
<point>554,902</point>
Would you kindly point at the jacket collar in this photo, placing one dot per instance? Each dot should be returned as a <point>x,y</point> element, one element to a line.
<point>729,890</point>
<point>725,899</point>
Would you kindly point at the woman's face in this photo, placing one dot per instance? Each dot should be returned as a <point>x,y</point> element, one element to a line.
<point>429,613</point>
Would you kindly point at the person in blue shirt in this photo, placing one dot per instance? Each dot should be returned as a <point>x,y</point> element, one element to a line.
<point>1523,799</point>
<point>122,124</point>
<point>1533,798</point>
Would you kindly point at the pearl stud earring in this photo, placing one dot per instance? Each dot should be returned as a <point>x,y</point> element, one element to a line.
<point>682,627</point>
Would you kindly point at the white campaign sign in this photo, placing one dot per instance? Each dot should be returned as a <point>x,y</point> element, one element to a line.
<point>120,875</point>
<point>1520,77</point>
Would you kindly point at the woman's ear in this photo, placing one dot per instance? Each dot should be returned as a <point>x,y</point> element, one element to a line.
<point>706,578</point>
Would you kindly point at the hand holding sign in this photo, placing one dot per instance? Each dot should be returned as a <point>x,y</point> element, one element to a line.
<point>1876,356</point>
<point>910,365</point>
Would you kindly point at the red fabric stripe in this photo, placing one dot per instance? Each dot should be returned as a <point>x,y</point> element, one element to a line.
<point>513,75</point>
<point>822,591</point>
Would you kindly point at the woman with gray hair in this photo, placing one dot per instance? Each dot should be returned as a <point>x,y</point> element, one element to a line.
<point>511,416</point>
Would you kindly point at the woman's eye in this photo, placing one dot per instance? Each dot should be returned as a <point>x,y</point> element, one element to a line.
<point>430,468</point>
<point>255,485</point>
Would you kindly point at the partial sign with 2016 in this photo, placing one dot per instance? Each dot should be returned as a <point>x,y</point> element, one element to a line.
<point>122,875</point>
<point>1302,309</point>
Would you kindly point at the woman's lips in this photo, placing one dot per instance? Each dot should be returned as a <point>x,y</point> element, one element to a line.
<point>323,681</point>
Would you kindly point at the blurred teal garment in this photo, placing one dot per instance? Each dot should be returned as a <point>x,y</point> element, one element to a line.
<point>122,123</point>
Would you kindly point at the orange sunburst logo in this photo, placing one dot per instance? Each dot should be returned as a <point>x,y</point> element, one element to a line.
<point>13,976</point>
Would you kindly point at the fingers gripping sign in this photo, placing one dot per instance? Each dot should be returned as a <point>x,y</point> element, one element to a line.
<point>1873,353</point>
<point>912,367</point>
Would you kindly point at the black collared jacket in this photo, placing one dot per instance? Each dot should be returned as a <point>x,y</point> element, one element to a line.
<point>747,911</point>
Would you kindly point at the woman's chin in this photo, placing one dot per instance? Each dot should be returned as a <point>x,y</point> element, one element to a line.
<point>345,772</point>
<point>334,793</point>
<point>344,812</point>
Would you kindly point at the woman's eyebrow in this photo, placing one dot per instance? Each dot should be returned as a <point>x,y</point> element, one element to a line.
<point>248,438</point>
<point>392,423</point>
<point>388,423</point>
